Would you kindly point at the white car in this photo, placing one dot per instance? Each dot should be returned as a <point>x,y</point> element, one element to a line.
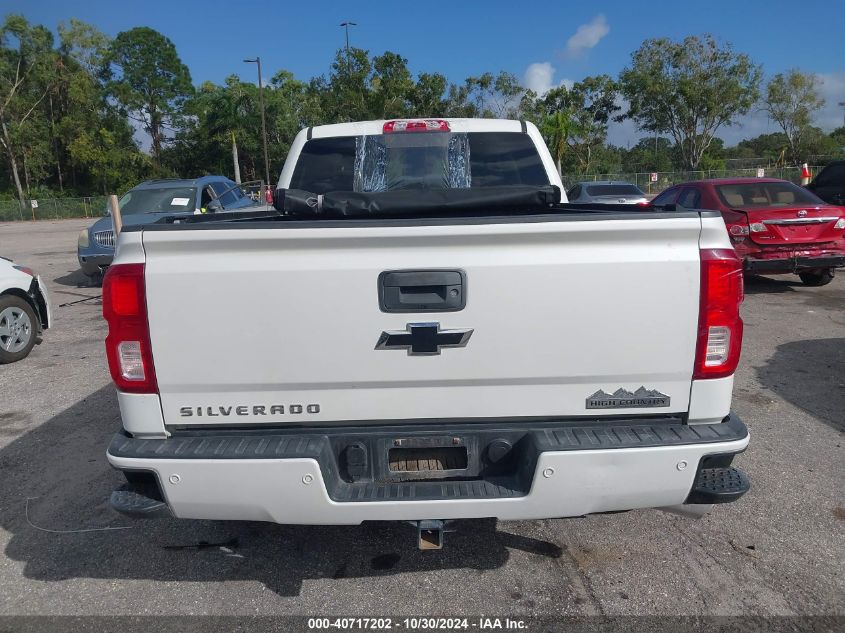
<point>607,192</point>
<point>24,311</point>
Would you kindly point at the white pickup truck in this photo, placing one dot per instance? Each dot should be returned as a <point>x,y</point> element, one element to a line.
<point>425,331</point>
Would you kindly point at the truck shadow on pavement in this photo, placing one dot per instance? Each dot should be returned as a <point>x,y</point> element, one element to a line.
<point>56,477</point>
<point>78,279</point>
<point>757,284</point>
<point>809,374</point>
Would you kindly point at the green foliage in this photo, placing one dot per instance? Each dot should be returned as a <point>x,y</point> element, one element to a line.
<point>689,89</point>
<point>27,75</point>
<point>574,120</point>
<point>650,154</point>
<point>791,99</point>
<point>493,96</point>
<point>144,74</point>
<point>838,138</point>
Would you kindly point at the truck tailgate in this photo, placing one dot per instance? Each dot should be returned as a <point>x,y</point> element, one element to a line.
<point>280,324</point>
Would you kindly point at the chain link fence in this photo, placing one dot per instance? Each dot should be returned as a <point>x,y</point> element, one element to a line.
<point>53,208</point>
<point>647,182</point>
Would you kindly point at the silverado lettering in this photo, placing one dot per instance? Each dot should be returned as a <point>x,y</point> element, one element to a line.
<point>275,409</point>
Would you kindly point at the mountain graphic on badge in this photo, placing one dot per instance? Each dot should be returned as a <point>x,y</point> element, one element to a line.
<point>642,398</point>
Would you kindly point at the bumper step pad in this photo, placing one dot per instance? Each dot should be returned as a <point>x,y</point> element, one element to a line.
<point>136,504</point>
<point>719,485</point>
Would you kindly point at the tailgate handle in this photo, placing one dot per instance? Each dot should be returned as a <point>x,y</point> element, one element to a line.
<point>422,290</point>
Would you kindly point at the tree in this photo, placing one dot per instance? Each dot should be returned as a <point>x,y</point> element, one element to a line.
<point>771,146</point>
<point>144,74</point>
<point>650,154</point>
<point>291,106</point>
<point>557,128</point>
<point>495,96</point>
<point>689,90</point>
<point>592,102</point>
<point>391,86</point>
<point>791,99</point>
<point>27,75</point>
<point>346,95</point>
<point>92,140</point>
<point>838,138</point>
<point>457,102</point>
<point>427,95</point>
<point>225,110</point>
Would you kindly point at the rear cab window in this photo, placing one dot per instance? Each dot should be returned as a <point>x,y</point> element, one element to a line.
<point>765,194</point>
<point>389,162</point>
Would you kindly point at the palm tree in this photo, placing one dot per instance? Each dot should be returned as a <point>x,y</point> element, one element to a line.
<point>557,128</point>
<point>227,114</point>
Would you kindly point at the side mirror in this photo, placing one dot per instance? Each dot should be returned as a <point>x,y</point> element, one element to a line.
<point>215,206</point>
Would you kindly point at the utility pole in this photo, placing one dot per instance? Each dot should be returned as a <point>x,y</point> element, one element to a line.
<point>346,26</point>
<point>257,60</point>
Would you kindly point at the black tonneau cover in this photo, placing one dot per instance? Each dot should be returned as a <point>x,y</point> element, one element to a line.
<point>414,202</point>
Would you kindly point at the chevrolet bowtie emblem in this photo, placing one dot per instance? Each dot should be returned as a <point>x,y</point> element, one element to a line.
<point>423,339</point>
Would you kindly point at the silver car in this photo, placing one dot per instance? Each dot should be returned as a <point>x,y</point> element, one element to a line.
<point>607,192</point>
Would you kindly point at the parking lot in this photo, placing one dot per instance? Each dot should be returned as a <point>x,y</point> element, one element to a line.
<point>778,551</point>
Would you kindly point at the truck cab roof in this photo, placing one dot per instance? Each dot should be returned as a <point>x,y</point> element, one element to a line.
<point>179,182</point>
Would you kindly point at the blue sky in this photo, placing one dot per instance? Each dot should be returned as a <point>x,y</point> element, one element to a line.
<point>542,43</point>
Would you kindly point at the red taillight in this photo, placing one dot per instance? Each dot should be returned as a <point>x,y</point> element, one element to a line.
<point>719,323</point>
<point>128,343</point>
<point>416,125</point>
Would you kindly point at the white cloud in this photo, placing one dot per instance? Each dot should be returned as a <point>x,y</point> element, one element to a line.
<point>587,36</point>
<point>832,88</point>
<point>625,133</point>
<point>540,77</point>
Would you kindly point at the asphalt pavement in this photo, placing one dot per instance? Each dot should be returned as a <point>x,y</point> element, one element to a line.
<point>778,551</point>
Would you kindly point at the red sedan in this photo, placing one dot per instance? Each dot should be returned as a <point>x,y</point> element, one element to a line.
<point>775,225</point>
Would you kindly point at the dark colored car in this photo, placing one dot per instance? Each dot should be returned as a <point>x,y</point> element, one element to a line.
<point>146,204</point>
<point>775,225</point>
<point>829,184</point>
